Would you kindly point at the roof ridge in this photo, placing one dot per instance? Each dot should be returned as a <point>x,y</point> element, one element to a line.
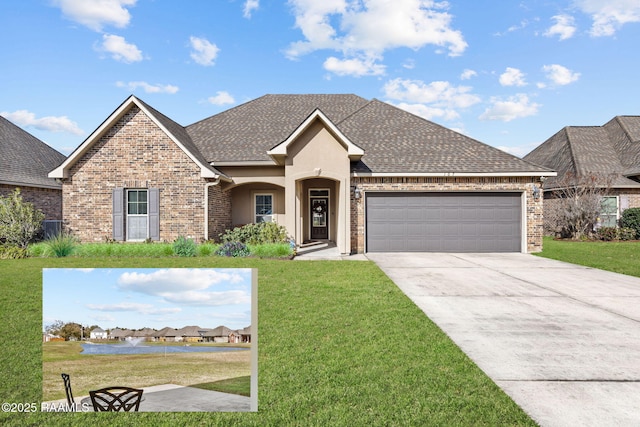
<point>574,160</point>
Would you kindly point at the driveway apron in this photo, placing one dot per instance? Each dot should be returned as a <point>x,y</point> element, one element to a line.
<point>563,341</point>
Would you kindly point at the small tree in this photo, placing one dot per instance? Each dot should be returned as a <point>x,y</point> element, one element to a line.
<point>20,221</point>
<point>577,204</point>
<point>631,219</point>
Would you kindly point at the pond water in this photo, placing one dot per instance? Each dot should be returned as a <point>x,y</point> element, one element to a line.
<point>150,349</point>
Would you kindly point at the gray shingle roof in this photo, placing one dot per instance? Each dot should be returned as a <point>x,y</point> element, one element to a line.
<point>394,140</point>
<point>610,150</point>
<point>248,131</point>
<point>24,159</point>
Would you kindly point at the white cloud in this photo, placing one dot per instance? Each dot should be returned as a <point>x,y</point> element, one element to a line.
<point>608,16</point>
<point>95,14</point>
<point>467,74</point>
<point>353,67</point>
<point>204,52</point>
<point>119,49</point>
<point>249,7</point>
<point>436,99</point>
<point>560,75</point>
<point>133,307</point>
<point>192,298</point>
<point>514,107</point>
<point>512,77</point>
<point>564,27</point>
<point>175,280</point>
<point>26,118</point>
<point>221,98</point>
<point>148,88</point>
<point>368,28</point>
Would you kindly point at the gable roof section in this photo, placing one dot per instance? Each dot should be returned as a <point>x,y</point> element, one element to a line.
<point>280,151</point>
<point>397,142</point>
<point>172,129</point>
<point>24,159</point>
<point>612,150</point>
<point>246,132</point>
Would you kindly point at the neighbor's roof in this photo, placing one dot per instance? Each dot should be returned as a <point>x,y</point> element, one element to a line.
<point>24,159</point>
<point>612,150</point>
<point>393,140</point>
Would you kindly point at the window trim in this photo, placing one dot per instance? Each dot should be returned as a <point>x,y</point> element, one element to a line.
<point>128,215</point>
<point>255,214</point>
<point>617,212</point>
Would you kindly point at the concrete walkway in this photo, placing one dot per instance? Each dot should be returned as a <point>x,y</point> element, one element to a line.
<point>562,340</point>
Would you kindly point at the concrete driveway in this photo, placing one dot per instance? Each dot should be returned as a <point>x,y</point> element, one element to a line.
<point>562,340</point>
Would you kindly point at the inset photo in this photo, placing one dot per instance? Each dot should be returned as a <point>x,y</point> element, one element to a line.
<point>149,340</point>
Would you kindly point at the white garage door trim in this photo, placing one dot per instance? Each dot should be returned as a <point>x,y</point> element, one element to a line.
<point>512,242</point>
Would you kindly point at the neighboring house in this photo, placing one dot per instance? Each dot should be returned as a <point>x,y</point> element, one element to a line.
<point>98,334</point>
<point>119,334</point>
<point>361,173</point>
<point>165,334</point>
<point>190,334</point>
<point>610,153</point>
<point>245,334</point>
<point>218,334</point>
<point>25,162</point>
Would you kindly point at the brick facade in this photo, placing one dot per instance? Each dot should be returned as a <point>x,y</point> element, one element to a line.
<point>48,200</point>
<point>136,154</point>
<point>534,208</point>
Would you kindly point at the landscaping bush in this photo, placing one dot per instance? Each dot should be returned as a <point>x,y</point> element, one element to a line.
<point>13,252</point>
<point>272,250</point>
<point>607,234</point>
<point>233,249</point>
<point>184,247</point>
<point>20,222</point>
<point>627,233</point>
<point>256,234</point>
<point>631,219</point>
<point>206,249</point>
<point>62,245</point>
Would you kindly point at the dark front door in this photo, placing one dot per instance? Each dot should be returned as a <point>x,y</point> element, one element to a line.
<point>319,217</point>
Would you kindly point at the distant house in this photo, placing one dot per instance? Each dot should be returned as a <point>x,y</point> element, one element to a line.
<point>165,334</point>
<point>361,173</point>
<point>245,334</point>
<point>219,334</point>
<point>25,163</point>
<point>190,334</point>
<point>98,334</point>
<point>119,334</point>
<point>610,152</point>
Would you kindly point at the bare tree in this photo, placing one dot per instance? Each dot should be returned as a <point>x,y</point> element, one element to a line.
<point>576,203</point>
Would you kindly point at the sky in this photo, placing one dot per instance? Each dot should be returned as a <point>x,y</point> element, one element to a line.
<point>507,73</point>
<point>153,298</point>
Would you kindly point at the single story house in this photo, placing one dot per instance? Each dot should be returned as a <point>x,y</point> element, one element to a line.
<point>25,162</point>
<point>217,334</point>
<point>361,173</point>
<point>610,153</point>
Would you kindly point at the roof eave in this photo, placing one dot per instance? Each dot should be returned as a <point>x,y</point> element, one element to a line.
<point>453,174</point>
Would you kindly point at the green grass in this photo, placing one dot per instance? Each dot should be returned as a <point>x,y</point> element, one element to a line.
<point>239,385</point>
<point>339,344</point>
<point>619,257</point>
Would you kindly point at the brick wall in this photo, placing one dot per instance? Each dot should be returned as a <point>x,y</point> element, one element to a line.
<point>516,184</point>
<point>135,153</point>
<point>48,200</point>
<point>219,212</point>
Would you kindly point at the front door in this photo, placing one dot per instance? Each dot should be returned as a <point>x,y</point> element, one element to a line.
<point>319,207</point>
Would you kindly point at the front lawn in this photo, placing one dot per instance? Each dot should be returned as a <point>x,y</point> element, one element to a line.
<point>619,257</point>
<point>339,344</point>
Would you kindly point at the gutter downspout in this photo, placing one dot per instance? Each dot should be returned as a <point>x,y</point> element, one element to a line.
<point>206,206</point>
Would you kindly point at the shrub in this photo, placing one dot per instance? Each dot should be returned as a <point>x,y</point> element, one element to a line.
<point>206,249</point>
<point>39,250</point>
<point>13,252</point>
<point>607,234</point>
<point>233,249</point>
<point>631,219</point>
<point>272,250</point>
<point>62,245</point>
<point>20,222</point>
<point>256,234</point>
<point>627,233</point>
<point>184,247</point>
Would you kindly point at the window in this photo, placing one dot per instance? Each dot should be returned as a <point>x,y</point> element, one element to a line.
<point>609,211</point>
<point>137,215</point>
<point>263,208</point>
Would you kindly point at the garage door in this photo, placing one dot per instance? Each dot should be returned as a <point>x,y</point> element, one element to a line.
<point>443,222</point>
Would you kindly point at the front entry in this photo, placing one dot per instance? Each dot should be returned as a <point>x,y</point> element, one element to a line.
<point>319,212</point>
